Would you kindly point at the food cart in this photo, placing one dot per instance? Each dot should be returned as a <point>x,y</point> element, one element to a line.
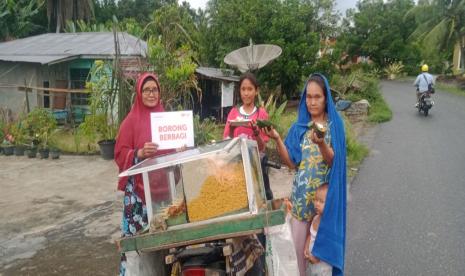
<point>202,194</point>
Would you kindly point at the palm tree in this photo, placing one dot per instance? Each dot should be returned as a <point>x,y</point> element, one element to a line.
<point>60,11</point>
<point>441,24</point>
<point>16,18</point>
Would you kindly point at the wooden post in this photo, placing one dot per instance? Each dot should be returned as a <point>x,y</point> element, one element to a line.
<point>28,108</point>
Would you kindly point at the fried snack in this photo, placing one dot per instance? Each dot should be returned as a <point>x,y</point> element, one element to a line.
<point>265,124</point>
<point>223,192</point>
<point>320,129</point>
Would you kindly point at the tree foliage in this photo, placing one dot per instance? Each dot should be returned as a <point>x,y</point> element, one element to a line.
<point>294,25</point>
<point>380,31</point>
<point>17,18</point>
<point>171,55</point>
<point>440,25</point>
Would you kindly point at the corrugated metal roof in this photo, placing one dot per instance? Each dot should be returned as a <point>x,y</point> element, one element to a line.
<point>216,73</point>
<point>52,47</point>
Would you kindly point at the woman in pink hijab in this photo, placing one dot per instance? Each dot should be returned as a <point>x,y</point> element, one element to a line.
<point>133,145</point>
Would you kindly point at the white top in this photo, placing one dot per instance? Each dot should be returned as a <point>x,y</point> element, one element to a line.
<point>323,267</point>
<point>423,80</point>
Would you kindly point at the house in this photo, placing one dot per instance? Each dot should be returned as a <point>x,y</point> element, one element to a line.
<point>50,70</point>
<point>220,92</point>
<point>458,57</point>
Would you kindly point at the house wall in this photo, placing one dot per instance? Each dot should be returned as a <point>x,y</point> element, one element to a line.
<point>14,74</point>
<point>11,75</point>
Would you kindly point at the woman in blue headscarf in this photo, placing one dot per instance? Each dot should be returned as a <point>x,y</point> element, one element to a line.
<point>317,161</point>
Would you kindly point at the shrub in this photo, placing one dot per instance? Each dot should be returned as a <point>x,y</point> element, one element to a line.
<point>40,124</point>
<point>204,131</point>
<point>394,70</point>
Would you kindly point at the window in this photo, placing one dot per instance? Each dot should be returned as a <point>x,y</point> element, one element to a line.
<point>78,78</point>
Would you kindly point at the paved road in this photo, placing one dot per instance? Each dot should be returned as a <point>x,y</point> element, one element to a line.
<point>407,209</point>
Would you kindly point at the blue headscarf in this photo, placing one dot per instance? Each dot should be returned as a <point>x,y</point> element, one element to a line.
<point>330,241</point>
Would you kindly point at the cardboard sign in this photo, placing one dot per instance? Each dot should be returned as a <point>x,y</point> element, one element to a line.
<point>171,130</point>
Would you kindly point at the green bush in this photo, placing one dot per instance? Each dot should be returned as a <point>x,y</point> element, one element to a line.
<point>394,70</point>
<point>40,124</point>
<point>275,112</point>
<point>356,152</point>
<point>205,131</point>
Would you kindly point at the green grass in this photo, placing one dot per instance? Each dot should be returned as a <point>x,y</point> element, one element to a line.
<point>287,119</point>
<point>451,88</point>
<point>379,111</point>
<point>356,151</point>
<point>67,142</point>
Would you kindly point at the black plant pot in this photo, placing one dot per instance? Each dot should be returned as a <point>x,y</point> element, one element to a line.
<point>31,153</point>
<point>44,153</point>
<point>19,150</point>
<point>55,154</point>
<point>107,149</point>
<point>8,150</point>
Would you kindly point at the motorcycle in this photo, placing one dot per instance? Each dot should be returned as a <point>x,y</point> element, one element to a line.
<point>210,259</point>
<point>425,103</point>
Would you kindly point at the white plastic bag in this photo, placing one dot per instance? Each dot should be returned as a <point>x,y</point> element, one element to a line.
<point>281,259</point>
<point>145,263</point>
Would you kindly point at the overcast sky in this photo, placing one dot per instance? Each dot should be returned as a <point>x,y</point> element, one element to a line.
<point>341,5</point>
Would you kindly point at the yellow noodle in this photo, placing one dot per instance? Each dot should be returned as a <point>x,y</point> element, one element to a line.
<point>221,193</point>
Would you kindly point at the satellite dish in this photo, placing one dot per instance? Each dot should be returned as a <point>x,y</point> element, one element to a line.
<point>252,57</point>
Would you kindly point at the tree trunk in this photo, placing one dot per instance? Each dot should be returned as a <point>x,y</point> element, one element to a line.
<point>59,19</point>
<point>462,54</point>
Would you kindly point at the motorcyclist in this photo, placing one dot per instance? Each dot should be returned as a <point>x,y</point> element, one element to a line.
<point>424,82</point>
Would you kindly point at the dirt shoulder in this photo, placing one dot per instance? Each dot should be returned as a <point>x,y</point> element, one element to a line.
<point>58,216</point>
<point>61,217</point>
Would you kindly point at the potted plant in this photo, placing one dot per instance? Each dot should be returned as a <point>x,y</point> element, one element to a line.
<point>54,152</point>
<point>7,147</point>
<point>41,123</point>
<point>6,138</point>
<point>100,125</point>
<point>31,150</point>
<point>19,137</point>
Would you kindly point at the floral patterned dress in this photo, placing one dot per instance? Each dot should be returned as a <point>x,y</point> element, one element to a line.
<point>312,172</point>
<point>134,217</point>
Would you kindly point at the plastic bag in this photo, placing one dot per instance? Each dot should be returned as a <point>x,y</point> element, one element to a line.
<point>145,263</point>
<point>281,259</point>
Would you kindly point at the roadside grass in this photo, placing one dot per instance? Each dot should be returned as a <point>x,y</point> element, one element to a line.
<point>379,111</point>
<point>450,88</point>
<point>356,151</point>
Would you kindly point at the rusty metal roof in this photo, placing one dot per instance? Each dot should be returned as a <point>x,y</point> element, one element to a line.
<point>52,47</point>
<point>217,73</point>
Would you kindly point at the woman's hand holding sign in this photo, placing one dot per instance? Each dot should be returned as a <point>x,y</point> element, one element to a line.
<point>147,151</point>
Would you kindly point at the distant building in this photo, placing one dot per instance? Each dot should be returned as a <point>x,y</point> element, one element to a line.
<point>219,92</point>
<point>54,67</point>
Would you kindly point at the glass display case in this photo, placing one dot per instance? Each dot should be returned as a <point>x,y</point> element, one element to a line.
<point>210,183</point>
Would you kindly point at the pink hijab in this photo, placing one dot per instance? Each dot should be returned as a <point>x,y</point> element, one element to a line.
<point>134,132</point>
